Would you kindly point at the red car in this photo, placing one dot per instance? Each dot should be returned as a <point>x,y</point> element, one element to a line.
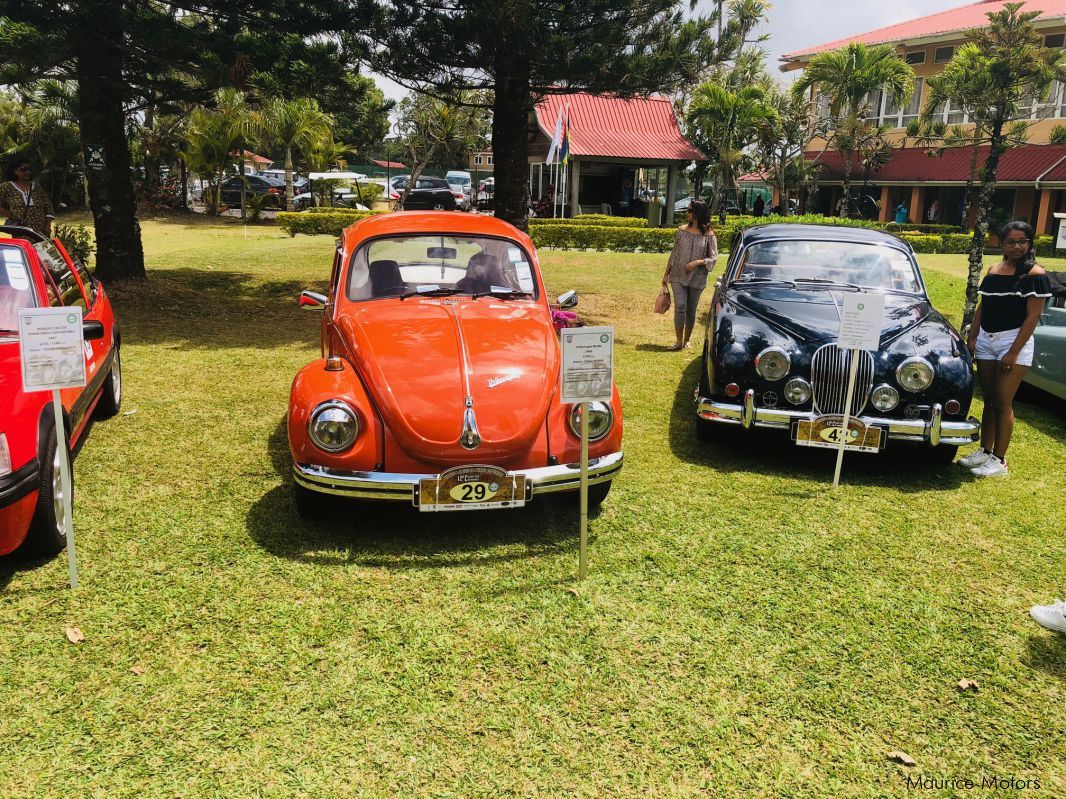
<point>438,384</point>
<point>36,272</point>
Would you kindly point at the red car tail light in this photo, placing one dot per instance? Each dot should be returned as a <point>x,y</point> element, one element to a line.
<point>273,190</point>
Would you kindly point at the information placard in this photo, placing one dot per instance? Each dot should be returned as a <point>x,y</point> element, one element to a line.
<point>52,348</point>
<point>861,320</point>
<point>587,364</point>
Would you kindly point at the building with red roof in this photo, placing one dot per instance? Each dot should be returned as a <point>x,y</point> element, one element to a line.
<point>620,149</point>
<point>1032,178</point>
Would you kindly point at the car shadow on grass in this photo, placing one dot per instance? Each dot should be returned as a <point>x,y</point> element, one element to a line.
<point>21,561</point>
<point>397,536</point>
<point>212,309</point>
<point>769,452</point>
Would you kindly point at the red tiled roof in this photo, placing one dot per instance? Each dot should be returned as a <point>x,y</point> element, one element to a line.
<point>914,165</point>
<point>607,126</point>
<point>388,164</point>
<point>953,20</point>
<point>249,156</point>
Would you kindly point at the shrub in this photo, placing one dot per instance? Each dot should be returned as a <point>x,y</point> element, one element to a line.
<point>78,240</point>
<point>956,243</point>
<point>599,237</point>
<point>328,221</point>
<point>597,220</point>
<point>923,242</point>
<point>1045,246</point>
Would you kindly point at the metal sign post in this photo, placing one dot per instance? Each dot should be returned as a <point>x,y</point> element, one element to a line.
<point>587,366</point>
<point>51,342</point>
<point>861,319</point>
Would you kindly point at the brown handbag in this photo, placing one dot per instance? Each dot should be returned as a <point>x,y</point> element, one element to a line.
<point>662,302</point>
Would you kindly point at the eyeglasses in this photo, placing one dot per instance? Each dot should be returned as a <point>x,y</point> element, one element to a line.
<point>24,169</point>
<point>1016,243</point>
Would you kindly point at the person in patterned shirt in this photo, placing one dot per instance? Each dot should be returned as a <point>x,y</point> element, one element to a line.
<point>24,201</point>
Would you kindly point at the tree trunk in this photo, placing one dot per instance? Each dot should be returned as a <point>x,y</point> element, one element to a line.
<point>845,203</point>
<point>980,228</point>
<point>98,50</point>
<point>511,107</point>
<point>151,153</point>
<point>288,177</point>
<point>967,196</point>
<point>418,166</point>
<point>184,169</point>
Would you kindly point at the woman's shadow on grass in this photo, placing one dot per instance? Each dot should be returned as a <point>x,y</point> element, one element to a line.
<point>764,451</point>
<point>397,536</point>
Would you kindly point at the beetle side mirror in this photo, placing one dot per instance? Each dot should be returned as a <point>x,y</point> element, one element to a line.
<point>312,301</point>
<point>92,330</point>
<point>568,299</point>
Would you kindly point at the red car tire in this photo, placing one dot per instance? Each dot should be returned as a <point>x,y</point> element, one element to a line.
<point>46,536</point>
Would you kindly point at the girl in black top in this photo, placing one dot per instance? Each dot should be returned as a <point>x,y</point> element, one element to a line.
<point>1013,294</point>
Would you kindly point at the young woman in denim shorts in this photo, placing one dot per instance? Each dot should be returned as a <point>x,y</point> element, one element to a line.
<point>1013,294</point>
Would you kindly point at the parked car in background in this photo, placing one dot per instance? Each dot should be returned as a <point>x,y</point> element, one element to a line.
<point>771,359</point>
<point>254,185</point>
<point>429,194</point>
<point>486,191</point>
<point>460,179</point>
<point>438,384</point>
<point>38,273</point>
<point>1048,371</point>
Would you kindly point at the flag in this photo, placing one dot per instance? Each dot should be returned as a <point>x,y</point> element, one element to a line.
<point>565,147</point>
<point>557,137</point>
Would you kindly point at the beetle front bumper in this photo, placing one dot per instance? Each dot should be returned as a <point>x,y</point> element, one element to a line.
<point>933,431</point>
<point>404,487</point>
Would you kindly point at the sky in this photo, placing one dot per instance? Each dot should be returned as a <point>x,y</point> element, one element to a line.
<point>795,24</point>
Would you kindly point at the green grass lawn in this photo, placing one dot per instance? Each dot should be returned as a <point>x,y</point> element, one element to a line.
<point>744,631</point>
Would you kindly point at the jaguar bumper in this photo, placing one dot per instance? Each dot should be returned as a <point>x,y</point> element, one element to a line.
<point>404,487</point>
<point>934,431</point>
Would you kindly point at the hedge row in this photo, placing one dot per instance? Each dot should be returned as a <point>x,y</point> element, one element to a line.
<point>595,220</point>
<point>594,237</point>
<point>331,221</point>
<point>959,243</point>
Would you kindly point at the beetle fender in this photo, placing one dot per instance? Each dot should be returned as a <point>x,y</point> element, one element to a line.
<point>314,385</point>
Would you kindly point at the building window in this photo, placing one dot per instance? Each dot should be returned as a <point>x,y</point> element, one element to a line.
<point>490,160</point>
<point>943,54</point>
<point>1055,40</point>
<point>477,160</point>
<point>914,107</point>
<point>956,114</point>
<point>916,57</point>
<point>821,107</point>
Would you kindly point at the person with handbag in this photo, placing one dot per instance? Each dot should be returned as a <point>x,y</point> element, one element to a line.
<point>691,261</point>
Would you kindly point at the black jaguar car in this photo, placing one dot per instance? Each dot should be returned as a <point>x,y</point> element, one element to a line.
<point>771,359</point>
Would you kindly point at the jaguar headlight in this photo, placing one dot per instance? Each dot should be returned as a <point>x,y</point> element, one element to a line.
<point>797,391</point>
<point>772,363</point>
<point>601,420</point>
<point>5,456</point>
<point>915,375</point>
<point>884,397</point>
<point>333,426</point>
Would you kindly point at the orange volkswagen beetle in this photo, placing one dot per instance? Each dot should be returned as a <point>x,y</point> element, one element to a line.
<point>438,383</point>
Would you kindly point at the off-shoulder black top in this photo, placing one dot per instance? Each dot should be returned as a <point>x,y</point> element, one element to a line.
<point>1004,299</point>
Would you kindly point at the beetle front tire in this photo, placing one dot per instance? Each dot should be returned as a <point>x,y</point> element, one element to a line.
<point>309,504</point>
<point>598,493</point>
<point>111,396</point>
<point>47,535</point>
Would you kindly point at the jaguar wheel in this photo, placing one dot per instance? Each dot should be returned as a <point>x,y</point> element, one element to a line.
<point>943,454</point>
<point>111,396</point>
<point>47,535</point>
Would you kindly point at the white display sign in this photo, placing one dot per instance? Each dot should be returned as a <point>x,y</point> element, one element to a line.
<point>587,364</point>
<point>1060,240</point>
<point>52,348</point>
<point>861,320</point>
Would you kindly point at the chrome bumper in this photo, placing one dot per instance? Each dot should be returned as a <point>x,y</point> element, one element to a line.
<point>404,487</point>
<point>933,431</point>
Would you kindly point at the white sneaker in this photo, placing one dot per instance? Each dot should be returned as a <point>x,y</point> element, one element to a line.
<point>993,467</point>
<point>1051,616</point>
<point>975,458</point>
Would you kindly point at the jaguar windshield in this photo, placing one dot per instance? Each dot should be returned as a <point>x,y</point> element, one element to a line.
<point>827,264</point>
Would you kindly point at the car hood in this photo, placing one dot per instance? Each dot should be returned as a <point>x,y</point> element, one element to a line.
<point>420,358</point>
<point>813,314</point>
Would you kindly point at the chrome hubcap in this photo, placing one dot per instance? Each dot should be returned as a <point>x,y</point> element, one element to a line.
<point>116,378</point>
<point>58,506</point>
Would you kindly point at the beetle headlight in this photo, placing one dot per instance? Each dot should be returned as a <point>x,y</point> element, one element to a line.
<point>333,426</point>
<point>884,397</point>
<point>772,363</point>
<point>601,420</point>
<point>5,456</point>
<point>915,374</point>
<point>797,391</point>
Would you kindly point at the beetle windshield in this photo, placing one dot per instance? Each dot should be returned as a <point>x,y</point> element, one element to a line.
<point>436,264</point>
<point>829,262</point>
<point>15,289</point>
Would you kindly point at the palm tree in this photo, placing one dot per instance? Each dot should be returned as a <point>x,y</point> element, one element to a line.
<point>288,124</point>
<point>848,77</point>
<point>52,124</point>
<point>727,118</point>
<point>211,139</point>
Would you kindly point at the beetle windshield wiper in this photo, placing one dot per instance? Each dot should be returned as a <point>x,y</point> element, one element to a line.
<point>503,292</point>
<point>430,291</point>
<point>825,282</point>
<point>762,281</point>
